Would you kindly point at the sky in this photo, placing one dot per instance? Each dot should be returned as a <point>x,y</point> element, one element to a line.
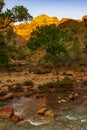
<point>60,8</point>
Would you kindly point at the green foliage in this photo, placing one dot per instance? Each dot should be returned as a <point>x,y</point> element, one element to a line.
<point>41,71</point>
<point>67,83</point>
<point>28,83</point>
<point>49,38</point>
<point>4,56</point>
<point>7,17</point>
<point>20,13</point>
<point>45,37</point>
<point>9,34</point>
<point>1,5</point>
<point>62,46</point>
<point>4,53</point>
<point>2,39</point>
<point>5,49</point>
<point>76,55</point>
<point>22,51</point>
<point>85,44</point>
<point>49,85</point>
<point>17,13</point>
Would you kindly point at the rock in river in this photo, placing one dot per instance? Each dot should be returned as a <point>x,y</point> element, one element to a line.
<point>6,111</point>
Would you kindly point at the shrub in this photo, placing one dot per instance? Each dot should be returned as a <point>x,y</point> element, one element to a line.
<point>28,83</point>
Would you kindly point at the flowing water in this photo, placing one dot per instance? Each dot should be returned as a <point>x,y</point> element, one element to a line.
<point>72,119</point>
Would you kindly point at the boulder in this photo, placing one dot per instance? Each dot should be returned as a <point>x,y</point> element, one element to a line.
<point>46,113</point>
<point>42,111</point>
<point>73,96</point>
<point>6,112</point>
<point>17,117</point>
<point>49,113</point>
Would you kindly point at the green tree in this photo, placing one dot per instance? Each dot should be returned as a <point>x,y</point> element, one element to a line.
<point>7,18</point>
<point>51,39</point>
<point>16,14</point>
<point>74,45</point>
<point>4,53</point>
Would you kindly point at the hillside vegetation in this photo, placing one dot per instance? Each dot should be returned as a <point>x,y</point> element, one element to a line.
<point>64,41</point>
<point>46,40</point>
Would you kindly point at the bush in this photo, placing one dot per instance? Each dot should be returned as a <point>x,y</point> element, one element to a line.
<point>4,56</point>
<point>67,83</point>
<point>28,83</point>
<point>51,39</point>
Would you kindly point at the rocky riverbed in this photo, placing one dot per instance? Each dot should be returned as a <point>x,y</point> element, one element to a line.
<point>43,101</point>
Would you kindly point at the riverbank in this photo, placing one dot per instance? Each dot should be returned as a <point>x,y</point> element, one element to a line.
<point>51,96</point>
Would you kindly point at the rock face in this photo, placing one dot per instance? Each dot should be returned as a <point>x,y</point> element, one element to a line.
<point>64,20</point>
<point>84,18</point>
<point>43,20</point>
<point>25,29</point>
<point>6,112</point>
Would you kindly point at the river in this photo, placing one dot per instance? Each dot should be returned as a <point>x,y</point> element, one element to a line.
<point>71,119</point>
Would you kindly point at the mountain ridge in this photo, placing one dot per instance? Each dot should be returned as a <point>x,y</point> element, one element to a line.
<point>24,29</point>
